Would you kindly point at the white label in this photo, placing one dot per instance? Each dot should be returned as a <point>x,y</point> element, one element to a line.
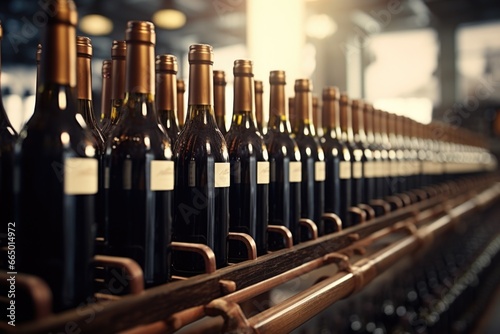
<point>345,170</point>
<point>222,171</point>
<point>295,171</point>
<point>369,169</point>
<point>394,165</point>
<point>162,175</point>
<point>357,170</point>
<point>262,172</point>
<point>319,171</point>
<point>80,176</point>
<point>384,168</point>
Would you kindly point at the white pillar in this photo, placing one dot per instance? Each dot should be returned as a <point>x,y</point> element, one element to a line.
<point>275,40</point>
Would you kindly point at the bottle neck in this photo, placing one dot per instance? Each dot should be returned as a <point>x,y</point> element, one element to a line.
<point>278,118</point>
<point>200,84</point>
<point>346,123</point>
<point>59,63</point>
<point>303,107</point>
<point>259,108</point>
<point>358,125</point>
<point>140,64</point>
<point>166,92</point>
<point>368,124</point>
<point>220,101</point>
<point>243,96</point>
<point>118,71</point>
<point>331,118</point>
<point>84,77</point>
<point>180,104</point>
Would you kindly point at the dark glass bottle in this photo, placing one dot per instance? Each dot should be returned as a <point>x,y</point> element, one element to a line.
<point>166,95</point>
<point>220,100</point>
<point>56,174</point>
<point>259,107</point>
<point>86,109</point>
<point>369,167</point>
<point>394,152</point>
<point>331,144</point>
<point>8,137</point>
<point>202,171</point>
<point>181,89</point>
<point>84,89</point>
<point>385,166</point>
<point>141,167</point>
<point>349,171</point>
<point>118,73</point>
<point>312,156</point>
<point>249,190</point>
<point>106,96</point>
<point>316,117</point>
<point>284,158</point>
<point>358,128</point>
<point>336,154</point>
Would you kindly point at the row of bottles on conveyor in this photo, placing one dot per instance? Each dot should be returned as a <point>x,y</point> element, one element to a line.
<point>445,289</point>
<point>143,183</point>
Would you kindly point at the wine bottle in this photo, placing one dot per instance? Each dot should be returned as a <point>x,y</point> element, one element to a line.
<point>337,157</point>
<point>259,107</point>
<point>381,156</point>
<point>181,89</point>
<point>358,128</point>
<point>316,117</point>
<point>56,168</point>
<point>369,167</point>
<point>118,77</point>
<point>202,171</point>
<point>385,167</point>
<point>86,109</point>
<point>166,94</point>
<point>8,137</point>
<point>106,96</point>
<point>220,100</point>
<point>394,154</point>
<point>141,167</point>
<point>312,156</point>
<point>350,188</point>
<point>249,184</point>
<point>292,114</point>
<point>84,89</point>
<point>284,158</point>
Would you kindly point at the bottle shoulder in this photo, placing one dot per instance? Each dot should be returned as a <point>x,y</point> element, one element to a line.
<point>247,143</point>
<point>201,140</point>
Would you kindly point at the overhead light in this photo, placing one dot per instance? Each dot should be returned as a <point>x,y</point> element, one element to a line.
<point>169,19</point>
<point>320,26</point>
<point>96,25</point>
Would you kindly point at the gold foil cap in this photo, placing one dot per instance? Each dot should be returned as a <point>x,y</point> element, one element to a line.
<point>83,46</point>
<point>1,31</point>
<point>140,31</point>
<point>219,78</point>
<point>331,93</point>
<point>344,99</point>
<point>277,77</point>
<point>106,68</point>
<point>356,103</point>
<point>303,85</point>
<point>181,86</point>
<point>243,67</point>
<point>259,86</point>
<point>119,49</point>
<point>64,12</point>
<point>201,53</point>
<point>166,63</point>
